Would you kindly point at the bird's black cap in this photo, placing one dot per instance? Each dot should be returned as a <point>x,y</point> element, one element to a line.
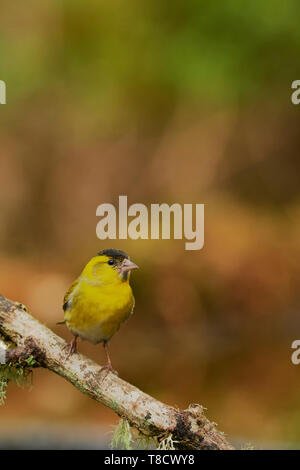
<point>112,253</point>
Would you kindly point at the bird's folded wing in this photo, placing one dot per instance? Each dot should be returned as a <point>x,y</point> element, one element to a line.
<point>68,295</point>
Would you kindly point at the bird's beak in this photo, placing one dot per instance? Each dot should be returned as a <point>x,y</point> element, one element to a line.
<point>127,265</point>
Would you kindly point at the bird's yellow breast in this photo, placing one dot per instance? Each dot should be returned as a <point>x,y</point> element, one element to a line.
<point>96,311</point>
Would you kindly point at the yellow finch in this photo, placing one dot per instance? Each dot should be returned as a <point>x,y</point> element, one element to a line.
<point>100,300</point>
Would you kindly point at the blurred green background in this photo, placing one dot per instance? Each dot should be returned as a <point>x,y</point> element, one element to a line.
<point>177,101</point>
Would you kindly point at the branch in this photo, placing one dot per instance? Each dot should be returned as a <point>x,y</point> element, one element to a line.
<point>190,428</point>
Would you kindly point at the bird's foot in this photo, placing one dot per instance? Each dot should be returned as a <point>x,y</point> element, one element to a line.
<point>71,348</point>
<point>108,368</point>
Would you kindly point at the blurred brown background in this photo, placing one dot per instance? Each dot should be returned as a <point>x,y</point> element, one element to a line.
<point>183,102</point>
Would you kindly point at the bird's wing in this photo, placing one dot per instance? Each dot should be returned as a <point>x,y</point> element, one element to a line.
<point>68,294</point>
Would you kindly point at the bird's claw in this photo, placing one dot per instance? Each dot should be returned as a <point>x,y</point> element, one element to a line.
<point>108,368</point>
<point>70,348</point>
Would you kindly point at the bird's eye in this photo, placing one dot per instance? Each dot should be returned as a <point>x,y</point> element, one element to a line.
<point>111,262</point>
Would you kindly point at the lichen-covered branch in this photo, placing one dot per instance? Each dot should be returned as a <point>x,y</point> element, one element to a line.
<point>189,428</point>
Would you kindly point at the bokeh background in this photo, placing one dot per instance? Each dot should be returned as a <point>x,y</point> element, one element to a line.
<point>177,101</point>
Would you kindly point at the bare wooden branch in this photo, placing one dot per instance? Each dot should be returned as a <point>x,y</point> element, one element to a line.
<point>189,427</point>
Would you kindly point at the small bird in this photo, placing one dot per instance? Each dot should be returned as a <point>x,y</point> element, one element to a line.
<point>100,300</point>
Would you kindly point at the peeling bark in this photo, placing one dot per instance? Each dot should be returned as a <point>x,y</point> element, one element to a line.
<point>189,427</point>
